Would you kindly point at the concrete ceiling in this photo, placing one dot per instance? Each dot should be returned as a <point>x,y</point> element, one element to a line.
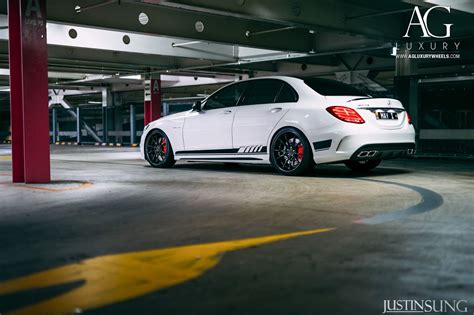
<point>325,35</point>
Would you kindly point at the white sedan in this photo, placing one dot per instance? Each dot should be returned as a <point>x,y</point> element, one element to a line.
<point>288,122</point>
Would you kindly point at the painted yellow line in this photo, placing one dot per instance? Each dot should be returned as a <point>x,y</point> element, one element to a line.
<point>80,185</point>
<point>115,278</point>
<point>5,158</point>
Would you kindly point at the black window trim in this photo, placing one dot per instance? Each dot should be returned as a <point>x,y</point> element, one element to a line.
<point>282,82</point>
<point>244,82</point>
<point>291,88</point>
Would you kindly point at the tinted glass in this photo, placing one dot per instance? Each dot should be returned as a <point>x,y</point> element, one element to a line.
<point>227,97</point>
<point>261,92</point>
<point>332,88</point>
<point>287,94</point>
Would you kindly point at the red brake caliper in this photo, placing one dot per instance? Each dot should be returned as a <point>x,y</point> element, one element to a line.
<point>163,144</point>
<point>300,152</point>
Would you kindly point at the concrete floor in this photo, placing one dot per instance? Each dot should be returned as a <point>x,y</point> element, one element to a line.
<point>405,231</point>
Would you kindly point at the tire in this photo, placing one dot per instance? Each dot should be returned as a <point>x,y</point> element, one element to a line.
<point>158,150</point>
<point>362,166</point>
<point>291,153</point>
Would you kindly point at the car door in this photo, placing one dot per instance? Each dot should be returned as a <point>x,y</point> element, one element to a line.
<point>264,103</point>
<point>211,128</point>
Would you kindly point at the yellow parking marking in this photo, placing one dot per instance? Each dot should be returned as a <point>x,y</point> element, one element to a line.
<point>80,185</point>
<point>115,278</point>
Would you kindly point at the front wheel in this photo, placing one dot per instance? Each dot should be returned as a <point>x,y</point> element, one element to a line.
<point>362,166</point>
<point>291,153</point>
<point>158,151</point>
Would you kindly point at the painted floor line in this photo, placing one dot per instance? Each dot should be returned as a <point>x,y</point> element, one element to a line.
<point>430,200</point>
<point>115,278</point>
<point>80,185</point>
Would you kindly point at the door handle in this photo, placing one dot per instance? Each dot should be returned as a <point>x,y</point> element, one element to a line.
<point>226,112</point>
<point>276,109</point>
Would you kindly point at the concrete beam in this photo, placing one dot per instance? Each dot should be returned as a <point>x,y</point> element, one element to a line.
<point>119,41</point>
<point>124,15</point>
<point>321,15</point>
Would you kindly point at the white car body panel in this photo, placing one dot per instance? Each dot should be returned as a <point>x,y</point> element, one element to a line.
<point>214,125</point>
<point>254,124</point>
<point>249,129</point>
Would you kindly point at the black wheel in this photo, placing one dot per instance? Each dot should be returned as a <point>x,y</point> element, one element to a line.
<point>291,153</point>
<point>158,151</point>
<point>362,166</point>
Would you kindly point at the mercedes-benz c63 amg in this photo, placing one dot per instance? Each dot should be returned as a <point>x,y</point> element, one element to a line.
<point>288,122</point>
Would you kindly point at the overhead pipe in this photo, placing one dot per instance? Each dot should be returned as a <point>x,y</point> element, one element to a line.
<point>186,43</point>
<point>80,9</point>
<point>248,33</point>
<point>377,14</point>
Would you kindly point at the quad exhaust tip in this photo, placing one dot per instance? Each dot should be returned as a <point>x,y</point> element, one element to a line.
<point>364,154</point>
<point>369,154</point>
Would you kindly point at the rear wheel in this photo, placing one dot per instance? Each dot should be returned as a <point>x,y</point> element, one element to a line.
<point>362,166</point>
<point>158,151</point>
<point>291,153</point>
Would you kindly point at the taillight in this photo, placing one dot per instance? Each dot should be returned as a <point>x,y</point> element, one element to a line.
<point>408,117</point>
<point>346,114</point>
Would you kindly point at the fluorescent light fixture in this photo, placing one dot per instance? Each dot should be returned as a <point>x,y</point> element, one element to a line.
<point>94,102</point>
<point>132,77</point>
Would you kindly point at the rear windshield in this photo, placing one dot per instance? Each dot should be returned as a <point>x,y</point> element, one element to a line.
<point>332,88</point>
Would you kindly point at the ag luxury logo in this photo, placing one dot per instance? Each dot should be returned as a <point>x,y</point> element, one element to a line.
<point>431,49</point>
<point>424,25</point>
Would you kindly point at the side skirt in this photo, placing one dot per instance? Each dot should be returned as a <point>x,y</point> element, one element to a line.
<point>262,159</point>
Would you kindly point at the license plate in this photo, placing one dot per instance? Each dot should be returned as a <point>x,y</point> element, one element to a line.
<point>386,115</point>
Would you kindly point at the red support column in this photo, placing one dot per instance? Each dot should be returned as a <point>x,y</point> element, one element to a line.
<point>153,106</point>
<point>29,90</point>
<point>16,92</point>
<point>147,112</point>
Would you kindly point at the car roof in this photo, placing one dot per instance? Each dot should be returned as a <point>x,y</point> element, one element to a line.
<point>295,82</point>
<point>277,77</point>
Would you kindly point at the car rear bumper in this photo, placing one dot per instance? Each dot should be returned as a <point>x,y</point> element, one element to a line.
<point>384,151</point>
<point>348,143</point>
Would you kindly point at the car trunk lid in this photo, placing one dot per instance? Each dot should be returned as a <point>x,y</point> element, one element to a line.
<point>384,113</point>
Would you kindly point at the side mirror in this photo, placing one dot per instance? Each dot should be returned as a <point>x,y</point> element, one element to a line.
<point>197,106</point>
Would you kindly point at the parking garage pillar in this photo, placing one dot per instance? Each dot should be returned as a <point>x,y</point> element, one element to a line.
<point>152,100</point>
<point>133,125</point>
<point>106,103</point>
<point>78,126</point>
<point>406,86</point>
<point>29,91</point>
<point>54,115</point>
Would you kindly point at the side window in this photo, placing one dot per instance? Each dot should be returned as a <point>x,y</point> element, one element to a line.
<point>261,92</point>
<point>227,97</point>
<point>287,94</point>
